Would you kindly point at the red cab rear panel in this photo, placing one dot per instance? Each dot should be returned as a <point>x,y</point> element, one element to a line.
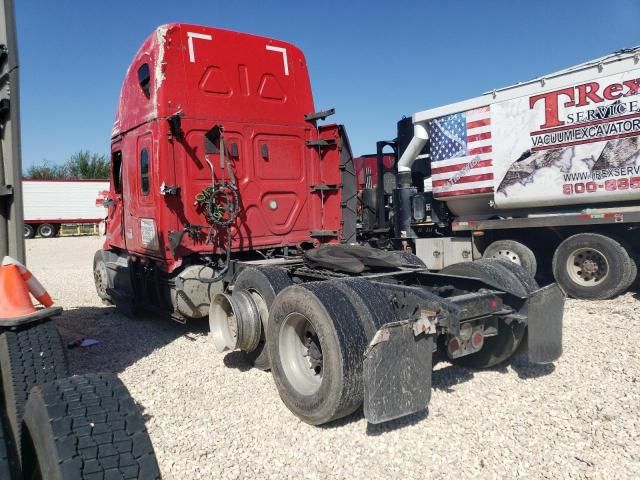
<point>258,90</point>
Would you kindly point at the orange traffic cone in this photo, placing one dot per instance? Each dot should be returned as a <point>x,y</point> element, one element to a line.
<point>35,287</point>
<point>14,294</point>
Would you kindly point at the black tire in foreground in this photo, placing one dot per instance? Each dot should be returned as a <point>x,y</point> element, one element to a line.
<point>498,348</point>
<point>47,230</point>
<point>263,284</point>
<point>7,465</point>
<point>513,251</point>
<point>316,342</point>
<point>592,266</point>
<point>28,358</point>
<point>86,427</point>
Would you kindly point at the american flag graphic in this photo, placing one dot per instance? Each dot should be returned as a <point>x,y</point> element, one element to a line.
<point>461,153</point>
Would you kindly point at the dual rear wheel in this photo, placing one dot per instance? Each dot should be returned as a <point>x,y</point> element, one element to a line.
<point>317,335</point>
<point>313,340</point>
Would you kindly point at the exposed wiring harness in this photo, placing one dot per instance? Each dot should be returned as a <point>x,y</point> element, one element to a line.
<point>220,214</point>
<point>220,203</point>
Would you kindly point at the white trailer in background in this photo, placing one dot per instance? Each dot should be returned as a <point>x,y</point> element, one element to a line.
<point>48,204</point>
<point>545,173</point>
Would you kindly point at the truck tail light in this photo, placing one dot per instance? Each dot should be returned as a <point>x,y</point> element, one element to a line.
<point>453,346</point>
<point>477,339</point>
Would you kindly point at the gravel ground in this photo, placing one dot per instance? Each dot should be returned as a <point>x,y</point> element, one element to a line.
<point>211,416</point>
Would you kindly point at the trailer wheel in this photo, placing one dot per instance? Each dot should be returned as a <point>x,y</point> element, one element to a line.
<point>593,267</point>
<point>498,348</point>
<point>316,342</point>
<point>28,231</point>
<point>263,284</point>
<point>28,358</point>
<point>47,230</point>
<point>514,252</point>
<point>86,427</point>
<point>101,276</point>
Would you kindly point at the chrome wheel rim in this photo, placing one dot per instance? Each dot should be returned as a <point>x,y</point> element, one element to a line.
<point>508,255</point>
<point>301,354</point>
<point>46,231</point>
<point>587,266</point>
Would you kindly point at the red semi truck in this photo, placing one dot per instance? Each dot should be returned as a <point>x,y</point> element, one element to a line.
<point>228,200</point>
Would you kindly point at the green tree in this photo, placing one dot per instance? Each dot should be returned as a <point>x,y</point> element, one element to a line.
<point>46,171</point>
<point>82,165</point>
<point>87,165</point>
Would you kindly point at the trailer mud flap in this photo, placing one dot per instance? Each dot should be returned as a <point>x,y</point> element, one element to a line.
<point>397,373</point>
<point>544,317</point>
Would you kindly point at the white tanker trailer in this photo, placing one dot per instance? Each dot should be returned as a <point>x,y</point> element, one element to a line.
<point>545,173</point>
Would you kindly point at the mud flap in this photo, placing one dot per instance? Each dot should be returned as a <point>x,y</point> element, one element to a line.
<point>397,373</point>
<point>544,318</point>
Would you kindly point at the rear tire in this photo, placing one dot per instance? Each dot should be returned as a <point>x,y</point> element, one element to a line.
<point>28,231</point>
<point>499,348</point>
<point>490,270</point>
<point>591,266</point>
<point>515,252</point>
<point>526,277</point>
<point>28,358</point>
<point>47,230</point>
<point>316,342</point>
<point>86,427</point>
<point>263,284</point>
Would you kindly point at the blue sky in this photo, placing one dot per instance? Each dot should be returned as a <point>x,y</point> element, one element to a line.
<point>374,61</point>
